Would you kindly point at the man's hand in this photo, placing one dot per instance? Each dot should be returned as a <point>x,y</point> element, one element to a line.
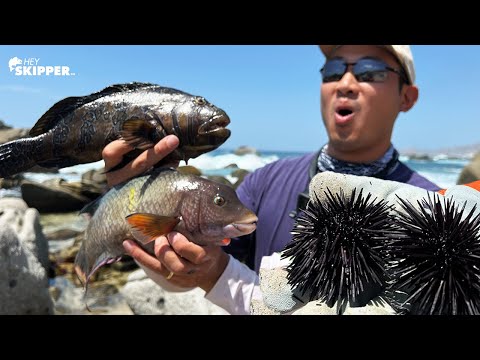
<point>182,262</point>
<point>113,154</point>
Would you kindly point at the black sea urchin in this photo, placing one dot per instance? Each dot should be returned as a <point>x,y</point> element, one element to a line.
<point>436,262</point>
<point>337,248</point>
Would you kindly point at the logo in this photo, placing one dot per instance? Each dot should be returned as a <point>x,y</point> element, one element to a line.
<point>33,67</point>
<point>14,62</point>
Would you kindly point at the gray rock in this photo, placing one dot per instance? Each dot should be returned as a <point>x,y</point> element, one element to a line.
<point>23,278</point>
<point>25,222</point>
<point>471,172</point>
<point>55,196</point>
<point>145,297</point>
<point>243,150</point>
<point>70,300</point>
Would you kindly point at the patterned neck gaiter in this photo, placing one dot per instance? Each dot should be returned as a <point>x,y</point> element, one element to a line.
<point>378,168</point>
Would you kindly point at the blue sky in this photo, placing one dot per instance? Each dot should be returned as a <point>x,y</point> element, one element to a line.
<point>271,92</point>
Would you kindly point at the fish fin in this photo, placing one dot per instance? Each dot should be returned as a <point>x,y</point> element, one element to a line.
<point>140,133</point>
<point>57,112</point>
<point>64,107</point>
<point>84,271</point>
<point>147,227</point>
<point>91,207</point>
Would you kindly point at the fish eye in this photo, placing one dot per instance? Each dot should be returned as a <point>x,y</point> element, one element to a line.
<point>200,101</point>
<point>219,200</point>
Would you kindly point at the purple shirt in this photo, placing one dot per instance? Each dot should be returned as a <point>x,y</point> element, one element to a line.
<point>271,192</point>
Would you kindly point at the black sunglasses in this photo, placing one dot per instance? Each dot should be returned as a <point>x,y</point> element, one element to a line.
<point>364,70</point>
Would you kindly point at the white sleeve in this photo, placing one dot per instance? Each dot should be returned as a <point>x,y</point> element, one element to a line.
<point>235,288</point>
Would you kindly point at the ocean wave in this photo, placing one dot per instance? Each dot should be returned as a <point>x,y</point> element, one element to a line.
<point>444,172</point>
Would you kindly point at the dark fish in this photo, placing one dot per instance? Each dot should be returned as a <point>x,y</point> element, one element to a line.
<point>146,207</point>
<point>76,129</point>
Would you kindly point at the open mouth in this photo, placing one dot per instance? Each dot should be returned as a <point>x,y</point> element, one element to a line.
<point>242,227</point>
<point>344,112</point>
<point>216,126</point>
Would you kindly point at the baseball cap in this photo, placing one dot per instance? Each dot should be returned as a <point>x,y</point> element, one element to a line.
<point>402,53</point>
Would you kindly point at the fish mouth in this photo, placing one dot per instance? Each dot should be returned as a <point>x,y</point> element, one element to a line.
<point>216,126</point>
<point>242,227</point>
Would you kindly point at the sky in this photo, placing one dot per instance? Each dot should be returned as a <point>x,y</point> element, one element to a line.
<point>270,92</point>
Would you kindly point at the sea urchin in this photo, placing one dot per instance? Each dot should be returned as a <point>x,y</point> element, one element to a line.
<point>436,261</point>
<point>336,251</point>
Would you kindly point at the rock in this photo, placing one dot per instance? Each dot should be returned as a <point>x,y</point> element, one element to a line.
<point>70,300</point>
<point>62,234</point>
<point>26,224</point>
<point>219,179</point>
<point>23,261</point>
<point>56,196</point>
<point>145,297</point>
<point>7,135</point>
<point>96,176</point>
<point>471,172</point>
<point>93,184</point>
<point>243,150</point>
<point>189,169</point>
<point>4,126</point>
<point>43,170</point>
<point>240,175</point>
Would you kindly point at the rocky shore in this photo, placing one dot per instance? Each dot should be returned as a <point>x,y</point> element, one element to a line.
<point>40,234</point>
<point>37,276</point>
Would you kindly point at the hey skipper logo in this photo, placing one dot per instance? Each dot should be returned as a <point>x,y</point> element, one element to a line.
<point>33,67</point>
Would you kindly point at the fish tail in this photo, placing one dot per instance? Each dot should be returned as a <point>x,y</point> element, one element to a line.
<point>18,155</point>
<point>84,269</point>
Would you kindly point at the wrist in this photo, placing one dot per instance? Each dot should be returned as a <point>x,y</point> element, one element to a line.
<point>220,263</point>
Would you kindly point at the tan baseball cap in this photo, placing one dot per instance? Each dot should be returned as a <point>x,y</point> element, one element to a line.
<point>403,53</point>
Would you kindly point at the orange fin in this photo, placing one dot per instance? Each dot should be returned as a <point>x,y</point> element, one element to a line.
<point>226,241</point>
<point>147,227</point>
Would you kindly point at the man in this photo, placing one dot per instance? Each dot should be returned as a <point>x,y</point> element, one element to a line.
<point>364,89</point>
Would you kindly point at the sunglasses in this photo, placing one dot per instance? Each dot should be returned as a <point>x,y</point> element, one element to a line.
<point>364,70</point>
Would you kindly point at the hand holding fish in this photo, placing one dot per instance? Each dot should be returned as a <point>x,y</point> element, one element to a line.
<point>113,155</point>
<point>191,265</point>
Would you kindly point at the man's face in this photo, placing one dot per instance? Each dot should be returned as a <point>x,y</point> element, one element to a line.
<point>359,116</point>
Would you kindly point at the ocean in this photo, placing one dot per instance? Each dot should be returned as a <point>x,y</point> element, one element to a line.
<point>443,172</point>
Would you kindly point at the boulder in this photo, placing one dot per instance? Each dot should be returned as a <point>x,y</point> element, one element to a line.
<point>471,172</point>
<point>54,196</point>
<point>23,261</point>
<point>145,297</point>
